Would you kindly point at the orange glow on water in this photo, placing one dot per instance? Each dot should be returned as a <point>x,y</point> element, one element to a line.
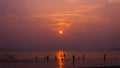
<point>60,58</point>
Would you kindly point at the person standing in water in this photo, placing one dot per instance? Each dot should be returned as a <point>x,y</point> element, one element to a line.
<point>73,58</point>
<point>83,57</point>
<point>104,57</point>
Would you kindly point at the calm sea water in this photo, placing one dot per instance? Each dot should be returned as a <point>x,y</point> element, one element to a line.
<point>45,59</point>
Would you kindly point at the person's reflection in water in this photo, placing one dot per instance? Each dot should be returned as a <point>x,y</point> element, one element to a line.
<point>60,58</point>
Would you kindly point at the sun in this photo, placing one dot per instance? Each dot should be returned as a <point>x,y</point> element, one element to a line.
<point>61,32</point>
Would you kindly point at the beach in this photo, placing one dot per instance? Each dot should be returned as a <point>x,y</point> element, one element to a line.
<point>59,59</point>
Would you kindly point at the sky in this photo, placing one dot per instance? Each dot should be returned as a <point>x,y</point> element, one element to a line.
<point>35,24</point>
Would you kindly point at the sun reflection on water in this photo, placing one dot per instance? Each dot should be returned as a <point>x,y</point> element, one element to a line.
<point>60,58</point>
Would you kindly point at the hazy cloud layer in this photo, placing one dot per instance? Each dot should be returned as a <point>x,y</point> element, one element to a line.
<point>34,24</point>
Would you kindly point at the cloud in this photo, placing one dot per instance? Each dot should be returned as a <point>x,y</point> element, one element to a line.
<point>82,14</point>
<point>71,1</point>
<point>110,11</point>
<point>113,1</point>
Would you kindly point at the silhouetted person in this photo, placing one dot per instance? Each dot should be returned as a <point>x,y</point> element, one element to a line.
<point>6,55</point>
<point>83,58</point>
<point>11,57</point>
<point>64,55</point>
<point>61,55</point>
<point>36,58</point>
<point>73,58</point>
<point>47,58</point>
<point>104,57</point>
<point>55,58</point>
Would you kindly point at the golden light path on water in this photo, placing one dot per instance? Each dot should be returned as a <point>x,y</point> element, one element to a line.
<point>60,58</point>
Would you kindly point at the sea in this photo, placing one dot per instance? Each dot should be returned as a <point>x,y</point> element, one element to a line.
<point>58,58</point>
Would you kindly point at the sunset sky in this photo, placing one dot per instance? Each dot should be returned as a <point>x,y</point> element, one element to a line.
<point>59,24</point>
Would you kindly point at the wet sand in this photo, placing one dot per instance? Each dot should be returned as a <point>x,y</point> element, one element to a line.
<point>55,64</point>
<point>102,67</point>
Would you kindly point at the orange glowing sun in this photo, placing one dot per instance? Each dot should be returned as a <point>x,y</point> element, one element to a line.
<point>61,32</point>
